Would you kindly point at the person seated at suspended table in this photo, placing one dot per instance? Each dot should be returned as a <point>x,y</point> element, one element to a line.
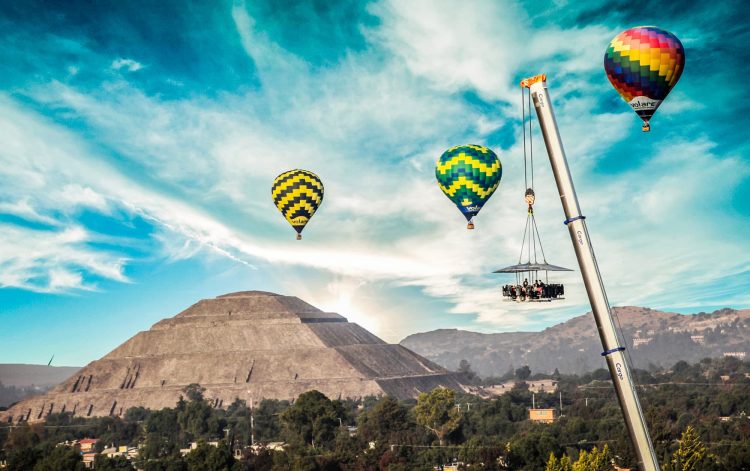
<point>541,289</point>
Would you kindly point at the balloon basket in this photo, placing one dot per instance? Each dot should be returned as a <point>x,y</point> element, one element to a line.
<point>299,236</point>
<point>646,127</point>
<point>470,225</point>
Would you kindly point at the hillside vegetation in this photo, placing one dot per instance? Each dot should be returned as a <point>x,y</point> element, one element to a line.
<point>696,413</point>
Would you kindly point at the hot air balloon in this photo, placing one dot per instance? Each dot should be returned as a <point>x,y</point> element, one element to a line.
<point>643,64</point>
<point>297,194</point>
<point>468,175</point>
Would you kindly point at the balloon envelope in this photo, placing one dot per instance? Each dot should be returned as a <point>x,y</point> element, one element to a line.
<point>297,194</point>
<point>468,175</point>
<point>643,64</point>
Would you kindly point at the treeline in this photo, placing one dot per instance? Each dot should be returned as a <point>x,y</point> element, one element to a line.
<point>696,415</point>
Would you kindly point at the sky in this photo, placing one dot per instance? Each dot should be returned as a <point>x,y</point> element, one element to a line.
<point>139,141</point>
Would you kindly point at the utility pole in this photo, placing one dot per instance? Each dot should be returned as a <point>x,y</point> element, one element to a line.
<point>592,279</point>
<point>561,403</point>
<point>252,425</point>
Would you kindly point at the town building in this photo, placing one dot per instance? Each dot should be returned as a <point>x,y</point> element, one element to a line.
<point>545,416</point>
<point>194,445</point>
<point>87,444</point>
<point>738,355</point>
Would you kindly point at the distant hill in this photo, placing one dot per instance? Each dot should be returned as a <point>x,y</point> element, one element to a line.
<point>20,375</point>
<point>653,339</point>
<point>18,381</point>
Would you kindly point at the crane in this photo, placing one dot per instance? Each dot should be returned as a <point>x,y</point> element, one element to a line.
<point>613,352</point>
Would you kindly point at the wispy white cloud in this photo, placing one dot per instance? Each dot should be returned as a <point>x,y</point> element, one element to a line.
<point>129,65</point>
<point>199,169</point>
<point>484,47</point>
<point>54,261</point>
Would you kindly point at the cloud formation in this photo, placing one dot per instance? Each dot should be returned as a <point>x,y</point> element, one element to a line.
<point>197,167</point>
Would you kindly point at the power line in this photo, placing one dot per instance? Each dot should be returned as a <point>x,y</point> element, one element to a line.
<point>675,383</point>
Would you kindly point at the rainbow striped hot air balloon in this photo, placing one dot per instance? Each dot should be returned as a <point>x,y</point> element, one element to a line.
<point>643,64</point>
<point>468,175</point>
<point>297,194</point>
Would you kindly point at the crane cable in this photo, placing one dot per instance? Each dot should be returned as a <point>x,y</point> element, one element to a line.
<point>531,230</point>
<point>523,126</point>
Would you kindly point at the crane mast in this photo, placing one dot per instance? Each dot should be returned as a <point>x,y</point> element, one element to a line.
<point>592,278</point>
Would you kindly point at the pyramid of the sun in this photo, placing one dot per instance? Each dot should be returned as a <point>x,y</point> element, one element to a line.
<point>247,345</point>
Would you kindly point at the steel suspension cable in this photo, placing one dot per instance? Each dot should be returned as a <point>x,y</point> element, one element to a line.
<point>531,144</point>
<point>523,126</point>
<point>540,241</point>
<point>523,243</point>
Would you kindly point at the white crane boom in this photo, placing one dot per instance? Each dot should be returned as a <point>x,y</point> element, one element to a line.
<point>592,279</point>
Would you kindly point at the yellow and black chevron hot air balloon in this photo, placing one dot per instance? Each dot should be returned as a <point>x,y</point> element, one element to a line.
<point>468,175</point>
<point>298,194</point>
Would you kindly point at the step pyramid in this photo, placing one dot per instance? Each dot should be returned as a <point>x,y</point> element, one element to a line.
<point>249,345</point>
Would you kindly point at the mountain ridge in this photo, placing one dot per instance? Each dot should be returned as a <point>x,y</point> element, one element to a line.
<point>653,338</point>
<point>22,375</point>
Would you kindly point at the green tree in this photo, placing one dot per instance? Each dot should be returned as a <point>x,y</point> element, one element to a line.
<point>198,420</point>
<point>553,464</point>
<point>386,417</point>
<point>437,412</point>
<point>692,453</point>
<point>267,424</point>
<point>21,437</point>
<point>210,458</point>
<point>194,392</point>
<point>312,419</point>
<point>136,414</point>
<point>59,458</point>
<point>594,460</point>
<point>171,463</point>
<point>464,369</point>
<point>22,459</point>
<point>523,373</point>
<point>118,463</point>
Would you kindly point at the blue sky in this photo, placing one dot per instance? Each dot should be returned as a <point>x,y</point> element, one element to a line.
<point>139,140</point>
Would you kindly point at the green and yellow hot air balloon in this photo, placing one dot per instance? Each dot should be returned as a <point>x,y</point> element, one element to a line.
<point>468,175</point>
<point>297,194</point>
